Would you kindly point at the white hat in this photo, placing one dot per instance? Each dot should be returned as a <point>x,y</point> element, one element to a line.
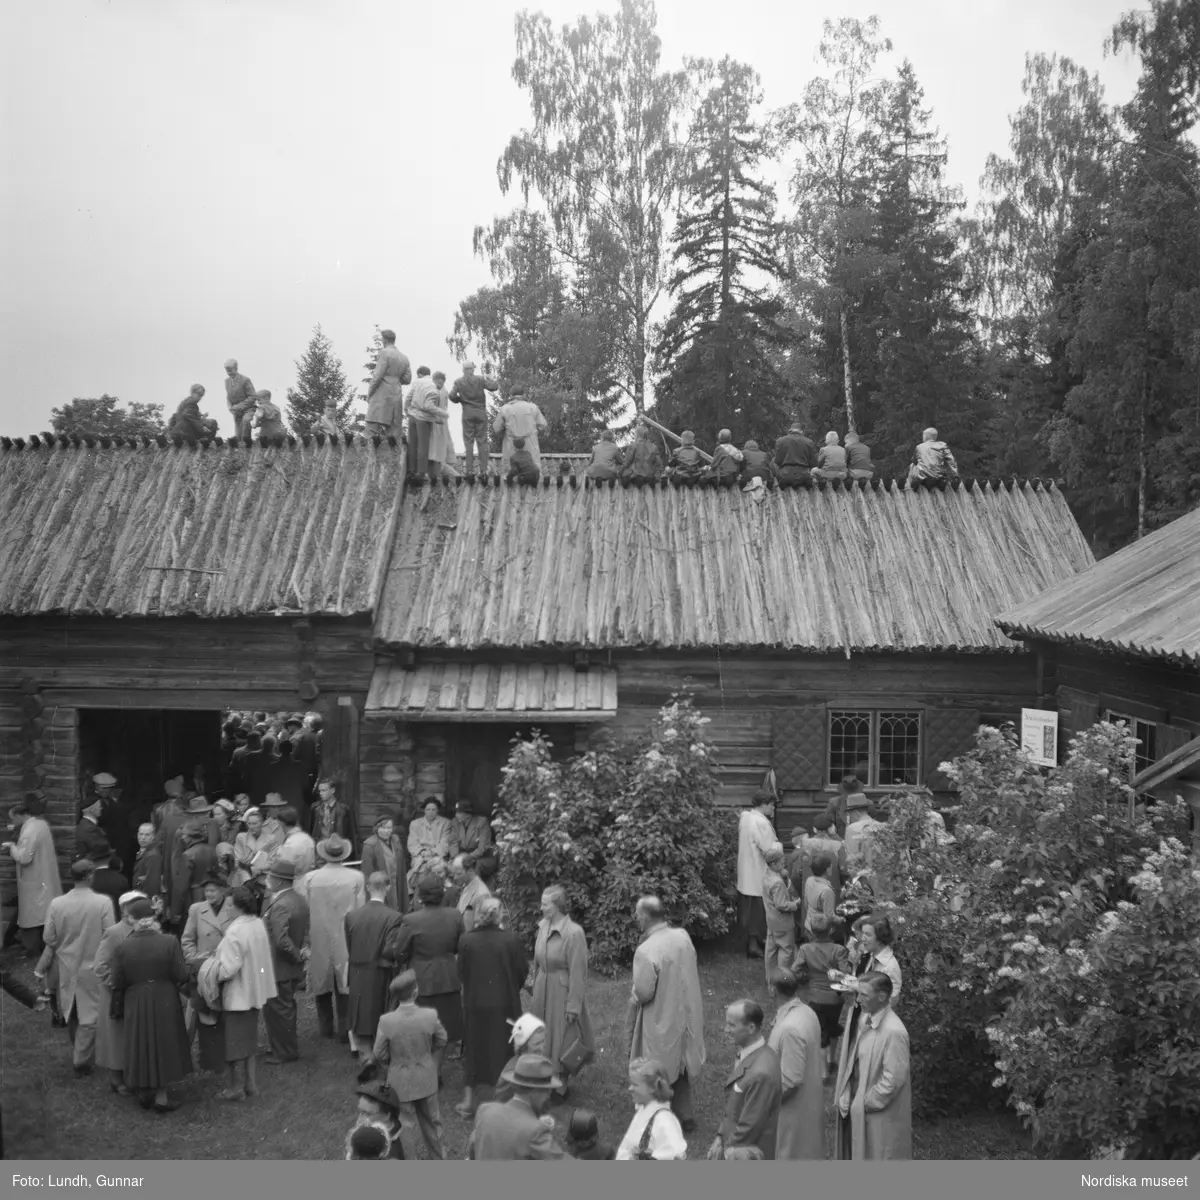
<point>128,897</point>
<point>104,779</point>
<point>524,1027</point>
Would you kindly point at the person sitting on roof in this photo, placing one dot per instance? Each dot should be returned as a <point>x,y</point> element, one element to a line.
<point>327,423</point>
<point>606,458</point>
<point>686,463</point>
<point>831,459</point>
<point>756,463</point>
<point>932,460</point>
<point>642,463</point>
<point>795,457</point>
<point>521,466</point>
<point>187,421</point>
<point>269,421</point>
<point>858,458</point>
<point>727,458</point>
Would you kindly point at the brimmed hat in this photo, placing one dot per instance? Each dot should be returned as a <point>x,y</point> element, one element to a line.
<point>334,849</point>
<point>282,869</point>
<point>274,800</point>
<point>381,1092</point>
<point>431,886</point>
<point>524,1027</point>
<point>129,897</point>
<point>463,806</point>
<point>199,804</point>
<point>174,787</point>
<point>294,719</point>
<point>104,779</point>
<point>533,1071</point>
<point>858,800</point>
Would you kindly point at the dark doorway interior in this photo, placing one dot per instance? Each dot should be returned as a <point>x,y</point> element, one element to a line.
<point>143,748</point>
<point>477,753</point>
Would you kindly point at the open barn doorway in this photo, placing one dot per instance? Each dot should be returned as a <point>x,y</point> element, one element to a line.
<point>143,748</point>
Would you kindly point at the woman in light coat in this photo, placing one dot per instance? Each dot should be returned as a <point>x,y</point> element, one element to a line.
<point>246,971</point>
<point>428,843</point>
<point>559,999</point>
<point>37,874</point>
<point>384,852</point>
<point>252,848</point>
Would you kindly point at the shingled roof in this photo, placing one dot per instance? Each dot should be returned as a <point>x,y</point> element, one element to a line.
<point>832,568</point>
<point>216,530</point>
<point>1144,600</point>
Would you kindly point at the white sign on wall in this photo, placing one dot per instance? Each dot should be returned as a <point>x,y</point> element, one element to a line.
<point>1039,735</point>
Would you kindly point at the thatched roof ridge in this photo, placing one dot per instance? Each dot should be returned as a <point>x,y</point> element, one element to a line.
<point>1142,601</point>
<point>156,527</point>
<point>833,568</point>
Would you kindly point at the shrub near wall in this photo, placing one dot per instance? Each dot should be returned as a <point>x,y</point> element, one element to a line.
<point>612,826</point>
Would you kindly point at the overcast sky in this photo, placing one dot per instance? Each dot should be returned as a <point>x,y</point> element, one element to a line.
<point>188,182</point>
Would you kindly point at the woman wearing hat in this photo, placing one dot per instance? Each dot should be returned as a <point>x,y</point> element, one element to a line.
<point>528,1037</point>
<point>383,851</point>
<point>247,973</point>
<point>559,998</point>
<point>147,973</point>
<point>492,966</point>
<point>379,1107</point>
<point>110,1030</point>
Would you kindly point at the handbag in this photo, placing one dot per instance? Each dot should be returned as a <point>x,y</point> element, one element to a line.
<point>643,1151</point>
<point>576,1055</point>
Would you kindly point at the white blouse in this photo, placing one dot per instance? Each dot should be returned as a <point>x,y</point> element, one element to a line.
<point>667,1142</point>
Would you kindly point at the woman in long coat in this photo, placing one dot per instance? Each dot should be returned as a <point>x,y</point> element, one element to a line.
<point>110,1030</point>
<point>246,969</point>
<point>384,852</point>
<point>428,843</point>
<point>252,848</point>
<point>492,966</point>
<point>147,973</point>
<point>560,959</point>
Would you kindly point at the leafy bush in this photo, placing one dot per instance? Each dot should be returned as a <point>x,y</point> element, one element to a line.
<point>610,827</point>
<point>1036,859</point>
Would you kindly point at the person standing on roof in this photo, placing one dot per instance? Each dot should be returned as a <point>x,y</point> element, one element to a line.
<point>424,412</point>
<point>470,390</point>
<point>240,396</point>
<point>932,460</point>
<point>795,457</point>
<point>392,372</point>
<point>519,418</point>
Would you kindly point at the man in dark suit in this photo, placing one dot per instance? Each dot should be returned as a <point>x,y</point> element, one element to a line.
<point>91,842</point>
<point>426,940</point>
<point>286,917</point>
<point>795,457</point>
<point>367,929</point>
<point>517,1130</point>
<point>752,1089</point>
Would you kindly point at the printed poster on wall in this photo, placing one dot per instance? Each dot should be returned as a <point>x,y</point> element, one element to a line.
<point>1039,735</point>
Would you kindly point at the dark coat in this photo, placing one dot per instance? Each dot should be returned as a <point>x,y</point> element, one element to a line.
<point>306,750</point>
<point>187,882</point>
<point>291,780</point>
<point>256,774</point>
<point>92,842</point>
<point>427,941</point>
<point>756,464</point>
<point>169,818</point>
<point>795,450</point>
<point>342,824</point>
<point>148,872</point>
<point>753,1090</point>
<point>287,918</point>
<point>147,973</point>
<point>112,884</point>
<point>367,930</point>
<point>492,965</point>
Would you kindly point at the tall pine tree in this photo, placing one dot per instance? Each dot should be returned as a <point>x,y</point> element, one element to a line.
<point>319,379</point>
<point>713,348</point>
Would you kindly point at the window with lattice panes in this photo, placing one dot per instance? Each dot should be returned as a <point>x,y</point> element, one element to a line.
<point>1146,734</point>
<point>882,747</point>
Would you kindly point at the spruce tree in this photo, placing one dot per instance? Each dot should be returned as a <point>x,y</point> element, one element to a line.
<point>319,379</point>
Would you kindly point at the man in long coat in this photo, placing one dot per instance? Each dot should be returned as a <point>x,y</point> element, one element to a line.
<point>874,1087</point>
<point>752,1088</point>
<point>91,842</point>
<point>666,1010</point>
<point>392,372</point>
<point>75,925</point>
<point>796,1039</point>
<point>206,923</point>
<point>332,890</point>
<point>168,817</point>
<point>287,918</point>
<point>367,929</point>
<point>110,1031</point>
<point>756,835</point>
<point>37,874</point>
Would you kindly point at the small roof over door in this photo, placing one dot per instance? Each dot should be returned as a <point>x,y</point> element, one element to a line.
<point>512,692</point>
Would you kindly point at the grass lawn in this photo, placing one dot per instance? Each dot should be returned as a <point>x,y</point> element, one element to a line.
<point>305,1109</point>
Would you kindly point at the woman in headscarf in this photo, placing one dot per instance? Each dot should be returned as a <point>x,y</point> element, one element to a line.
<point>560,985</point>
<point>428,842</point>
<point>110,1030</point>
<point>528,1037</point>
<point>246,970</point>
<point>384,852</point>
<point>147,974</point>
<point>492,966</point>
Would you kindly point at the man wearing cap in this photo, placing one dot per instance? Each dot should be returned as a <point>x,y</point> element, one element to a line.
<point>378,1105</point>
<point>286,916</point>
<point>408,1042</point>
<point>369,974</point>
<point>796,1040</point>
<point>519,1130</point>
<point>332,890</point>
<point>240,397</point>
<point>273,827</point>
<point>471,834</point>
<point>110,1031</point>
<point>752,1088</point>
<point>795,457</point>
<point>37,874</point>
<point>519,418</point>
<point>392,372</point>
<point>192,860</point>
<point>113,818</point>
<point>470,390</point>
<point>75,926</point>
<point>90,840</point>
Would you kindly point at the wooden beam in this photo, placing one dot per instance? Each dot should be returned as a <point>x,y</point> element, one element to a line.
<point>490,717</point>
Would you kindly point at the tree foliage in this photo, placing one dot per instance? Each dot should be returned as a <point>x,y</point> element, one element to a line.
<point>612,825</point>
<point>104,416</point>
<point>320,379</point>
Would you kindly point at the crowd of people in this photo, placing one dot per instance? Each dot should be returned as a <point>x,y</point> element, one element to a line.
<point>418,409</point>
<point>234,908</point>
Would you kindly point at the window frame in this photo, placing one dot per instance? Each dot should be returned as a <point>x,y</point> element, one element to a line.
<point>1141,760</point>
<point>875,712</point>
